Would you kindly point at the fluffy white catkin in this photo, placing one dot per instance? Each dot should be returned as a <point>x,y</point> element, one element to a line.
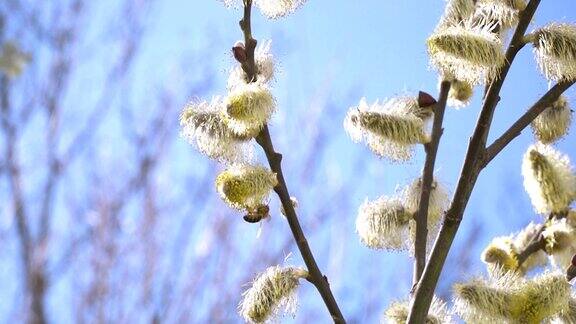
<point>555,50</point>
<point>245,186</point>
<point>507,298</point>
<point>437,206</point>
<point>390,128</point>
<point>203,125</point>
<point>470,54</point>
<point>272,290</point>
<point>383,224</point>
<point>265,64</point>
<point>549,179</point>
<point>248,108</point>
<point>553,123</point>
<point>272,9</point>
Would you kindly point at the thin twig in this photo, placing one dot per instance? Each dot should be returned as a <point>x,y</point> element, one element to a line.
<point>316,277</point>
<point>426,185</point>
<point>514,131</point>
<point>275,161</point>
<point>537,241</point>
<point>468,176</point>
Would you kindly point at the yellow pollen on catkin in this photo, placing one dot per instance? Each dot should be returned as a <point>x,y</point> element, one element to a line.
<point>549,179</point>
<point>391,129</point>
<point>540,298</point>
<point>506,297</point>
<point>245,186</point>
<point>248,108</point>
<point>553,123</point>
<point>501,253</point>
<point>203,125</point>
<point>395,128</point>
<point>383,224</point>
<point>470,54</point>
<point>555,50</point>
<point>460,94</point>
<point>271,291</point>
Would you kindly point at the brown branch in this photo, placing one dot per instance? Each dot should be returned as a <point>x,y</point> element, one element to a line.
<point>274,160</point>
<point>537,242</point>
<point>426,185</point>
<point>468,176</point>
<point>33,272</point>
<point>516,129</point>
<point>316,277</point>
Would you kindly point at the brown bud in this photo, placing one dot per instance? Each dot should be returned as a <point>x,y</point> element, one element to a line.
<point>239,52</point>
<point>571,271</point>
<point>425,100</point>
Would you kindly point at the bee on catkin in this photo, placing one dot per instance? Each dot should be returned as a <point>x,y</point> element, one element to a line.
<point>245,186</point>
<point>460,93</point>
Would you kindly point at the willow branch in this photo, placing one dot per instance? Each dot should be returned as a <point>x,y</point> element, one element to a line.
<point>537,242</point>
<point>468,176</point>
<point>427,179</point>
<point>516,129</point>
<point>274,158</point>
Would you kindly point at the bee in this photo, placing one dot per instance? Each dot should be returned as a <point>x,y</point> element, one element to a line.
<point>256,214</point>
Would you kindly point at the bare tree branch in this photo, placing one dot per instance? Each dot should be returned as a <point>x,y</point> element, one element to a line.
<point>468,176</point>
<point>427,179</point>
<point>274,160</point>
